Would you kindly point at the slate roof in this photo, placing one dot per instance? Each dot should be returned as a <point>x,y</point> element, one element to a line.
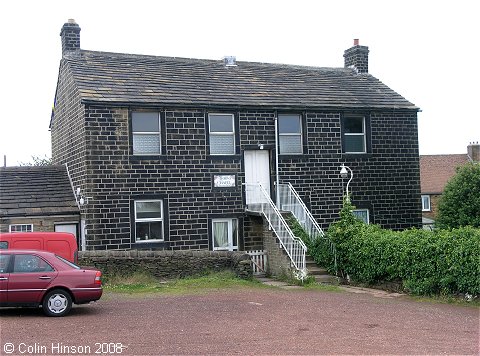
<point>36,191</point>
<point>140,79</point>
<point>436,170</point>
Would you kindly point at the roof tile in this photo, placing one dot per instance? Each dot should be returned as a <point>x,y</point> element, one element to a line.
<point>37,190</point>
<point>436,171</point>
<point>127,78</point>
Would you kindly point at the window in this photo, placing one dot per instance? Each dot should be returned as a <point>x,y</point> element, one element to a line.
<point>29,264</point>
<point>146,133</point>
<point>426,203</point>
<point>290,134</point>
<point>362,214</point>
<point>21,228</point>
<point>148,220</point>
<point>354,134</point>
<point>225,234</point>
<point>4,261</point>
<point>221,134</point>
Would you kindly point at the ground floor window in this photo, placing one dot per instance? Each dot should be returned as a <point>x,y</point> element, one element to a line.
<point>225,234</point>
<point>362,214</point>
<point>426,203</point>
<point>149,220</point>
<point>21,228</point>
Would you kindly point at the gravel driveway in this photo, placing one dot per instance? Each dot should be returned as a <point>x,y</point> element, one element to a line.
<point>246,321</point>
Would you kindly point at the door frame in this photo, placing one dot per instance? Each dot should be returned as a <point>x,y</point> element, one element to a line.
<point>268,172</point>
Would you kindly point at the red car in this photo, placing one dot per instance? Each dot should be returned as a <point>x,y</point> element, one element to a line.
<point>36,278</point>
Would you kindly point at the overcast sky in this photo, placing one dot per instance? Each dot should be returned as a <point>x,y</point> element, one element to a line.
<point>424,50</point>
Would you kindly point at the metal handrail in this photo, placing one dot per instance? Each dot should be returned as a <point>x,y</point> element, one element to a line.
<point>291,201</point>
<point>293,246</point>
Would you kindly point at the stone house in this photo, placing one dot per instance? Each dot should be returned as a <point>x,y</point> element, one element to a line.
<point>177,153</point>
<point>37,199</point>
<point>435,172</point>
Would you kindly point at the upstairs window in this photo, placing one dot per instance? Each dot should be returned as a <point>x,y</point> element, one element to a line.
<point>290,134</point>
<point>148,220</point>
<point>354,134</point>
<point>426,203</point>
<point>222,134</point>
<point>146,133</point>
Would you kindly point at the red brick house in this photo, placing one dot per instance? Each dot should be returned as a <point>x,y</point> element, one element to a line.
<point>435,172</point>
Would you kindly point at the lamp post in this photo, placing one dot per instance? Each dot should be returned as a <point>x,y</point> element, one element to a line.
<point>344,174</point>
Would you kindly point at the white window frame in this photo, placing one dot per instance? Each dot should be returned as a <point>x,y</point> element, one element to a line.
<point>362,134</point>
<point>23,227</point>
<point>137,220</point>
<point>149,133</point>
<point>426,203</point>
<point>214,133</point>
<point>290,134</point>
<point>230,222</point>
<point>358,217</point>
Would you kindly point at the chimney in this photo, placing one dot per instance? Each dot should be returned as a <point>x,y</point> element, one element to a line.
<point>473,151</point>
<point>70,35</point>
<point>357,57</point>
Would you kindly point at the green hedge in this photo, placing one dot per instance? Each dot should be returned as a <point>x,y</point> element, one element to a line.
<point>428,262</point>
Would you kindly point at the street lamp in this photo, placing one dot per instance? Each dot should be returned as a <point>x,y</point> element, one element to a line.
<point>344,174</point>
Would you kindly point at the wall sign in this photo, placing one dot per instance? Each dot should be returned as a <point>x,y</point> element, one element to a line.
<point>224,181</point>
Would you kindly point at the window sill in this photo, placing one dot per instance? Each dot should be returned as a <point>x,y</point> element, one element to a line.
<point>291,156</point>
<point>141,245</point>
<point>224,157</point>
<point>357,155</point>
<point>147,157</point>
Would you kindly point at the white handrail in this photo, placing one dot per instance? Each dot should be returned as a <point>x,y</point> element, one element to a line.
<point>291,201</point>
<point>259,200</point>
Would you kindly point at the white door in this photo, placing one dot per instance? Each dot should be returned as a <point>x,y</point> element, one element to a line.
<point>257,170</point>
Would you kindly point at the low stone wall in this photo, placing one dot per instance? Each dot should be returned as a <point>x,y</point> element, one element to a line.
<point>167,264</point>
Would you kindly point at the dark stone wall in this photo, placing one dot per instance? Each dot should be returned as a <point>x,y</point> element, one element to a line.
<point>68,134</point>
<point>357,56</point>
<point>95,141</point>
<point>167,264</point>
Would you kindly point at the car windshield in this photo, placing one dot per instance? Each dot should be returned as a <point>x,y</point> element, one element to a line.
<point>71,264</point>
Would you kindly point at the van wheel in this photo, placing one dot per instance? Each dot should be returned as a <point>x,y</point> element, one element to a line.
<point>57,302</point>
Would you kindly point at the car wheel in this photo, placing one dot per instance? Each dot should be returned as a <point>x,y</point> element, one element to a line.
<point>57,302</point>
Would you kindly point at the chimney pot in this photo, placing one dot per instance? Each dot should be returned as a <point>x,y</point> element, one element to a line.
<point>356,42</point>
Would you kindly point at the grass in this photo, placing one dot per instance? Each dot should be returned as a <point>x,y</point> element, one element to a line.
<point>448,299</point>
<point>143,283</point>
<point>140,283</point>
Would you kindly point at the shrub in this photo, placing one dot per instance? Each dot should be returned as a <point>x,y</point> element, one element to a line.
<point>460,202</point>
<point>428,262</point>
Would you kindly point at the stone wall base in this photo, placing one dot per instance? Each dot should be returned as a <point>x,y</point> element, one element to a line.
<point>167,264</point>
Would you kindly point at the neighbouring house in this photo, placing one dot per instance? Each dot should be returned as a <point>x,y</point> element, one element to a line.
<point>37,198</point>
<point>180,153</point>
<point>435,172</point>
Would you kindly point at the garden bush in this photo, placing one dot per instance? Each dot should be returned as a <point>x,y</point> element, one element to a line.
<point>427,262</point>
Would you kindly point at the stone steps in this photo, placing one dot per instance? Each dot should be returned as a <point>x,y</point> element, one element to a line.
<point>320,274</point>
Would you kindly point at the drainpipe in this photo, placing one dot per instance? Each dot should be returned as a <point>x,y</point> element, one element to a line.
<point>276,164</point>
